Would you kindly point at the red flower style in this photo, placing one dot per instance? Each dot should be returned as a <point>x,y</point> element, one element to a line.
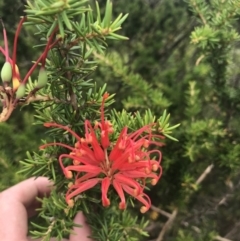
<point>126,165</point>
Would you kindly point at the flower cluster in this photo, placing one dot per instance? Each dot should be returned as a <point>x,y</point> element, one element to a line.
<point>125,164</point>
<point>10,69</point>
<point>13,86</point>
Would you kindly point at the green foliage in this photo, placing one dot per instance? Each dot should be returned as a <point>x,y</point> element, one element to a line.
<point>69,98</point>
<point>109,229</point>
<point>182,57</point>
<point>196,80</point>
<point>145,95</point>
<point>17,138</point>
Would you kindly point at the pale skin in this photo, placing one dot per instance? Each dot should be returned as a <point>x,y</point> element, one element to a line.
<point>18,203</point>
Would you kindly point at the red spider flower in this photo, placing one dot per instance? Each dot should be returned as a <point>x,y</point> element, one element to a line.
<point>126,164</point>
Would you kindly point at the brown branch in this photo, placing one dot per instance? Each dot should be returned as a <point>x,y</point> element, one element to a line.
<point>171,217</point>
<point>199,12</point>
<point>167,225</point>
<point>199,60</point>
<point>38,98</point>
<point>6,112</point>
<point>160,211</point>
<point>204,174</point>
<point>219,238</point>
<point>8,105</point>
<point>41,57</point>
<point>34,98</point>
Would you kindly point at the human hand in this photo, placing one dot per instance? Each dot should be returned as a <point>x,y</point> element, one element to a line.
<point>18,203</point>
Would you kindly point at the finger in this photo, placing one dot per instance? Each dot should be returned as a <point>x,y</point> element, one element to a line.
<point>80,233</point>
<point>27,191</point>
<point>52,239</point>
<point>13,204</point>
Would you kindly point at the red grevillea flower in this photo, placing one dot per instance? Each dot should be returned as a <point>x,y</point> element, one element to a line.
<point>126,164</point>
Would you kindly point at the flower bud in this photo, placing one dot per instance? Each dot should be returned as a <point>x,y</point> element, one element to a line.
<point>42,78</point>
<point>6,72</point>
<point>20,91</point>
<point>16,78</point>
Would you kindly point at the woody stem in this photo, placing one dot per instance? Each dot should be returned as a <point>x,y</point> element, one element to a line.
<point>15,44</point>
<point>5,42</point>
<point>42,57</point>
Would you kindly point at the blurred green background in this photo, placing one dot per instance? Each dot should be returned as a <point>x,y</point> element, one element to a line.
<point>159,68</point>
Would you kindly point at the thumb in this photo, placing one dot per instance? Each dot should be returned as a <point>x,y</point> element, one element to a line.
<point>80,233</point>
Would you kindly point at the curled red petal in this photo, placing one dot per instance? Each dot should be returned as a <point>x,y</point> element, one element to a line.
<point>127,181</point>
<point>142,197</point>
<point>84,177</point>
<point>116,152</point>
<point>84,168</point>
<point>56,144</point>
<point>88,155</point>
<point>98,151</point>
<point>119,190</point>
<point>136,165</point>
<point>134,135</point>
<point>52,124</point>
<point>105,187</point>
<point>81,187</point>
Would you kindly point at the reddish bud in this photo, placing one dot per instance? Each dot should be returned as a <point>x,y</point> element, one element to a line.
<point>16,78</point>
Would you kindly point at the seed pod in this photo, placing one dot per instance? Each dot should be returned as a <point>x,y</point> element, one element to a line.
<point>42,78</point>
<point>6,72</point>
<point>20,91</point>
